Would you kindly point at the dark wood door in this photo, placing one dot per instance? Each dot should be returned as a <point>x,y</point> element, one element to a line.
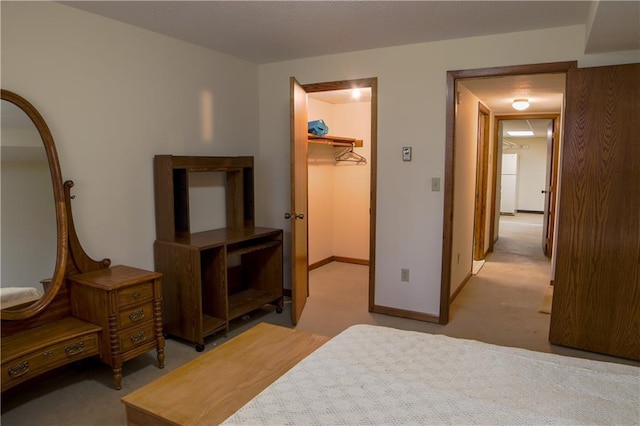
<point>550,189</point>
<point>596,300</point>
<point>299,237</point>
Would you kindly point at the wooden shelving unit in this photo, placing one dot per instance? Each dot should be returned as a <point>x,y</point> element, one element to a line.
<point>334,140</point>
<point>214,276</point>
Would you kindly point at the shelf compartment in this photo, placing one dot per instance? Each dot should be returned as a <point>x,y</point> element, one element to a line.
<point>249,300</point>
<point>249,248</point>
<point>212,324</point>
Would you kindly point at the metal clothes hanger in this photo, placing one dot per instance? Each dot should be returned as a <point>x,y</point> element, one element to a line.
<point>349,155</point>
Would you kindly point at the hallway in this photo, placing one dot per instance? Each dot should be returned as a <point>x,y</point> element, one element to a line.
<point>500,304</point>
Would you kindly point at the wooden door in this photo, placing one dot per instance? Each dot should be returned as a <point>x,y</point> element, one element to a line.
<point>550,188</point>
<point>299,240</point>
<point>596,298</point>
<point>482,165</point>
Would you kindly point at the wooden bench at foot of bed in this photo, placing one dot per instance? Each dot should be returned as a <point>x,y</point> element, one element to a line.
<point>215,385</point>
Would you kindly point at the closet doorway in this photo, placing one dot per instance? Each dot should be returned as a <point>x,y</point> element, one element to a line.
<point>333,181</point>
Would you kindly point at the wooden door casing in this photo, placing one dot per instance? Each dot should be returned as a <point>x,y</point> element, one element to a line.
<point>596,300</point>
<point>299,184</point>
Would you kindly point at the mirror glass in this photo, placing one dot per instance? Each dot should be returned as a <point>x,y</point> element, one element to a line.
<point>28,215</point>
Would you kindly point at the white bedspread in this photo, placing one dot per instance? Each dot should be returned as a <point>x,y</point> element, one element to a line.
<point>13,296</point>
<point>378,375</point>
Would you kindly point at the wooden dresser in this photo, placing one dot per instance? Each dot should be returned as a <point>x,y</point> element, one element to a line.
<point>126,303</point>
<point>87,308</point>
<point>34,351</point>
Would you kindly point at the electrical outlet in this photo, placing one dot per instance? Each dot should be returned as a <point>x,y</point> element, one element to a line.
<point>404,275</point>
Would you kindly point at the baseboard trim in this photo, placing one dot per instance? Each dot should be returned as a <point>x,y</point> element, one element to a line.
<point>351,260</point>
<point>342,259</point>
<point>402,313</point>
<point>320,263</point>
<point>287,291</point>
<point>459,289</point>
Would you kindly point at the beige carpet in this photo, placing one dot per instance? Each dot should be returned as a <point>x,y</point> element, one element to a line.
<point>545,306</point>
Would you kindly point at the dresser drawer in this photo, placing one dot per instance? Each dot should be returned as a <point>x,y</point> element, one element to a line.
<point>135,315</point>
<point>135,294</point>
<point>47,358</point>
<point>138,336</point>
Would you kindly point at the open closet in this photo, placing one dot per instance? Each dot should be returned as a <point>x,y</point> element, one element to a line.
<point>339,178</point>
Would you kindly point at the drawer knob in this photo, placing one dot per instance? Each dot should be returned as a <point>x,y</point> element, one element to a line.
<point>136,295</point>
<point>137,315</point>
<point>138,337</point>
<point>47,354</point>
<point>74,349</point>
<point>19,369</point>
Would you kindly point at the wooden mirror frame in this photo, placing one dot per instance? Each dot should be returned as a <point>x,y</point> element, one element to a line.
<point>62,252</point>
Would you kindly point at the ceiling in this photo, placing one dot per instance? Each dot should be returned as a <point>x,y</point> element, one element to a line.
<point>273,31</point>
<point>545,92</point>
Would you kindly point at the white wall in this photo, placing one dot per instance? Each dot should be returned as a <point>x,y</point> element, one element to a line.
<point>115,95</point>
<point>411,112</point>
<point>339,192</point>
<point>466,159</point>
<point>29,237</point>
<point>532,166</point>
<point>321,170</point>
<point>351,186</point>
<point>28,217</point>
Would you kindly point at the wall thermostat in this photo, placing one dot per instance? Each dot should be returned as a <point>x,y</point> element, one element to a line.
<point>406,153</point>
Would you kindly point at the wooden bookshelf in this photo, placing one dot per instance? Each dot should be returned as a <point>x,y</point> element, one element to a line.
<point>202,291</point>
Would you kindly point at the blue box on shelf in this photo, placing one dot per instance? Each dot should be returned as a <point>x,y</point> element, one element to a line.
<point>317,127</point>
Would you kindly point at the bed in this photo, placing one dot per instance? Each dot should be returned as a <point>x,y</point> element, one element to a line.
<point>378,375</point>
<point>14,296</point>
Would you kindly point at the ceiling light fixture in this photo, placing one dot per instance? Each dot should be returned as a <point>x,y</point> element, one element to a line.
<point>520,133</point>
<point>520,104</point>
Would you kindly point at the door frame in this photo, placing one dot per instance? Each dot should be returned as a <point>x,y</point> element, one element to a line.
<point>372,83</point>
<point>449,184</point>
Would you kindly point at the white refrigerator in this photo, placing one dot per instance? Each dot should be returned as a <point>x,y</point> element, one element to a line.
<point>509,190</point>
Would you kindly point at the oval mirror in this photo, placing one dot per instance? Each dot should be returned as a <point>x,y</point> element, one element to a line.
<point>34,250</point>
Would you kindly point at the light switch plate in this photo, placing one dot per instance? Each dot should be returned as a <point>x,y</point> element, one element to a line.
<point>435,184</point>
<point>406,153</point>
